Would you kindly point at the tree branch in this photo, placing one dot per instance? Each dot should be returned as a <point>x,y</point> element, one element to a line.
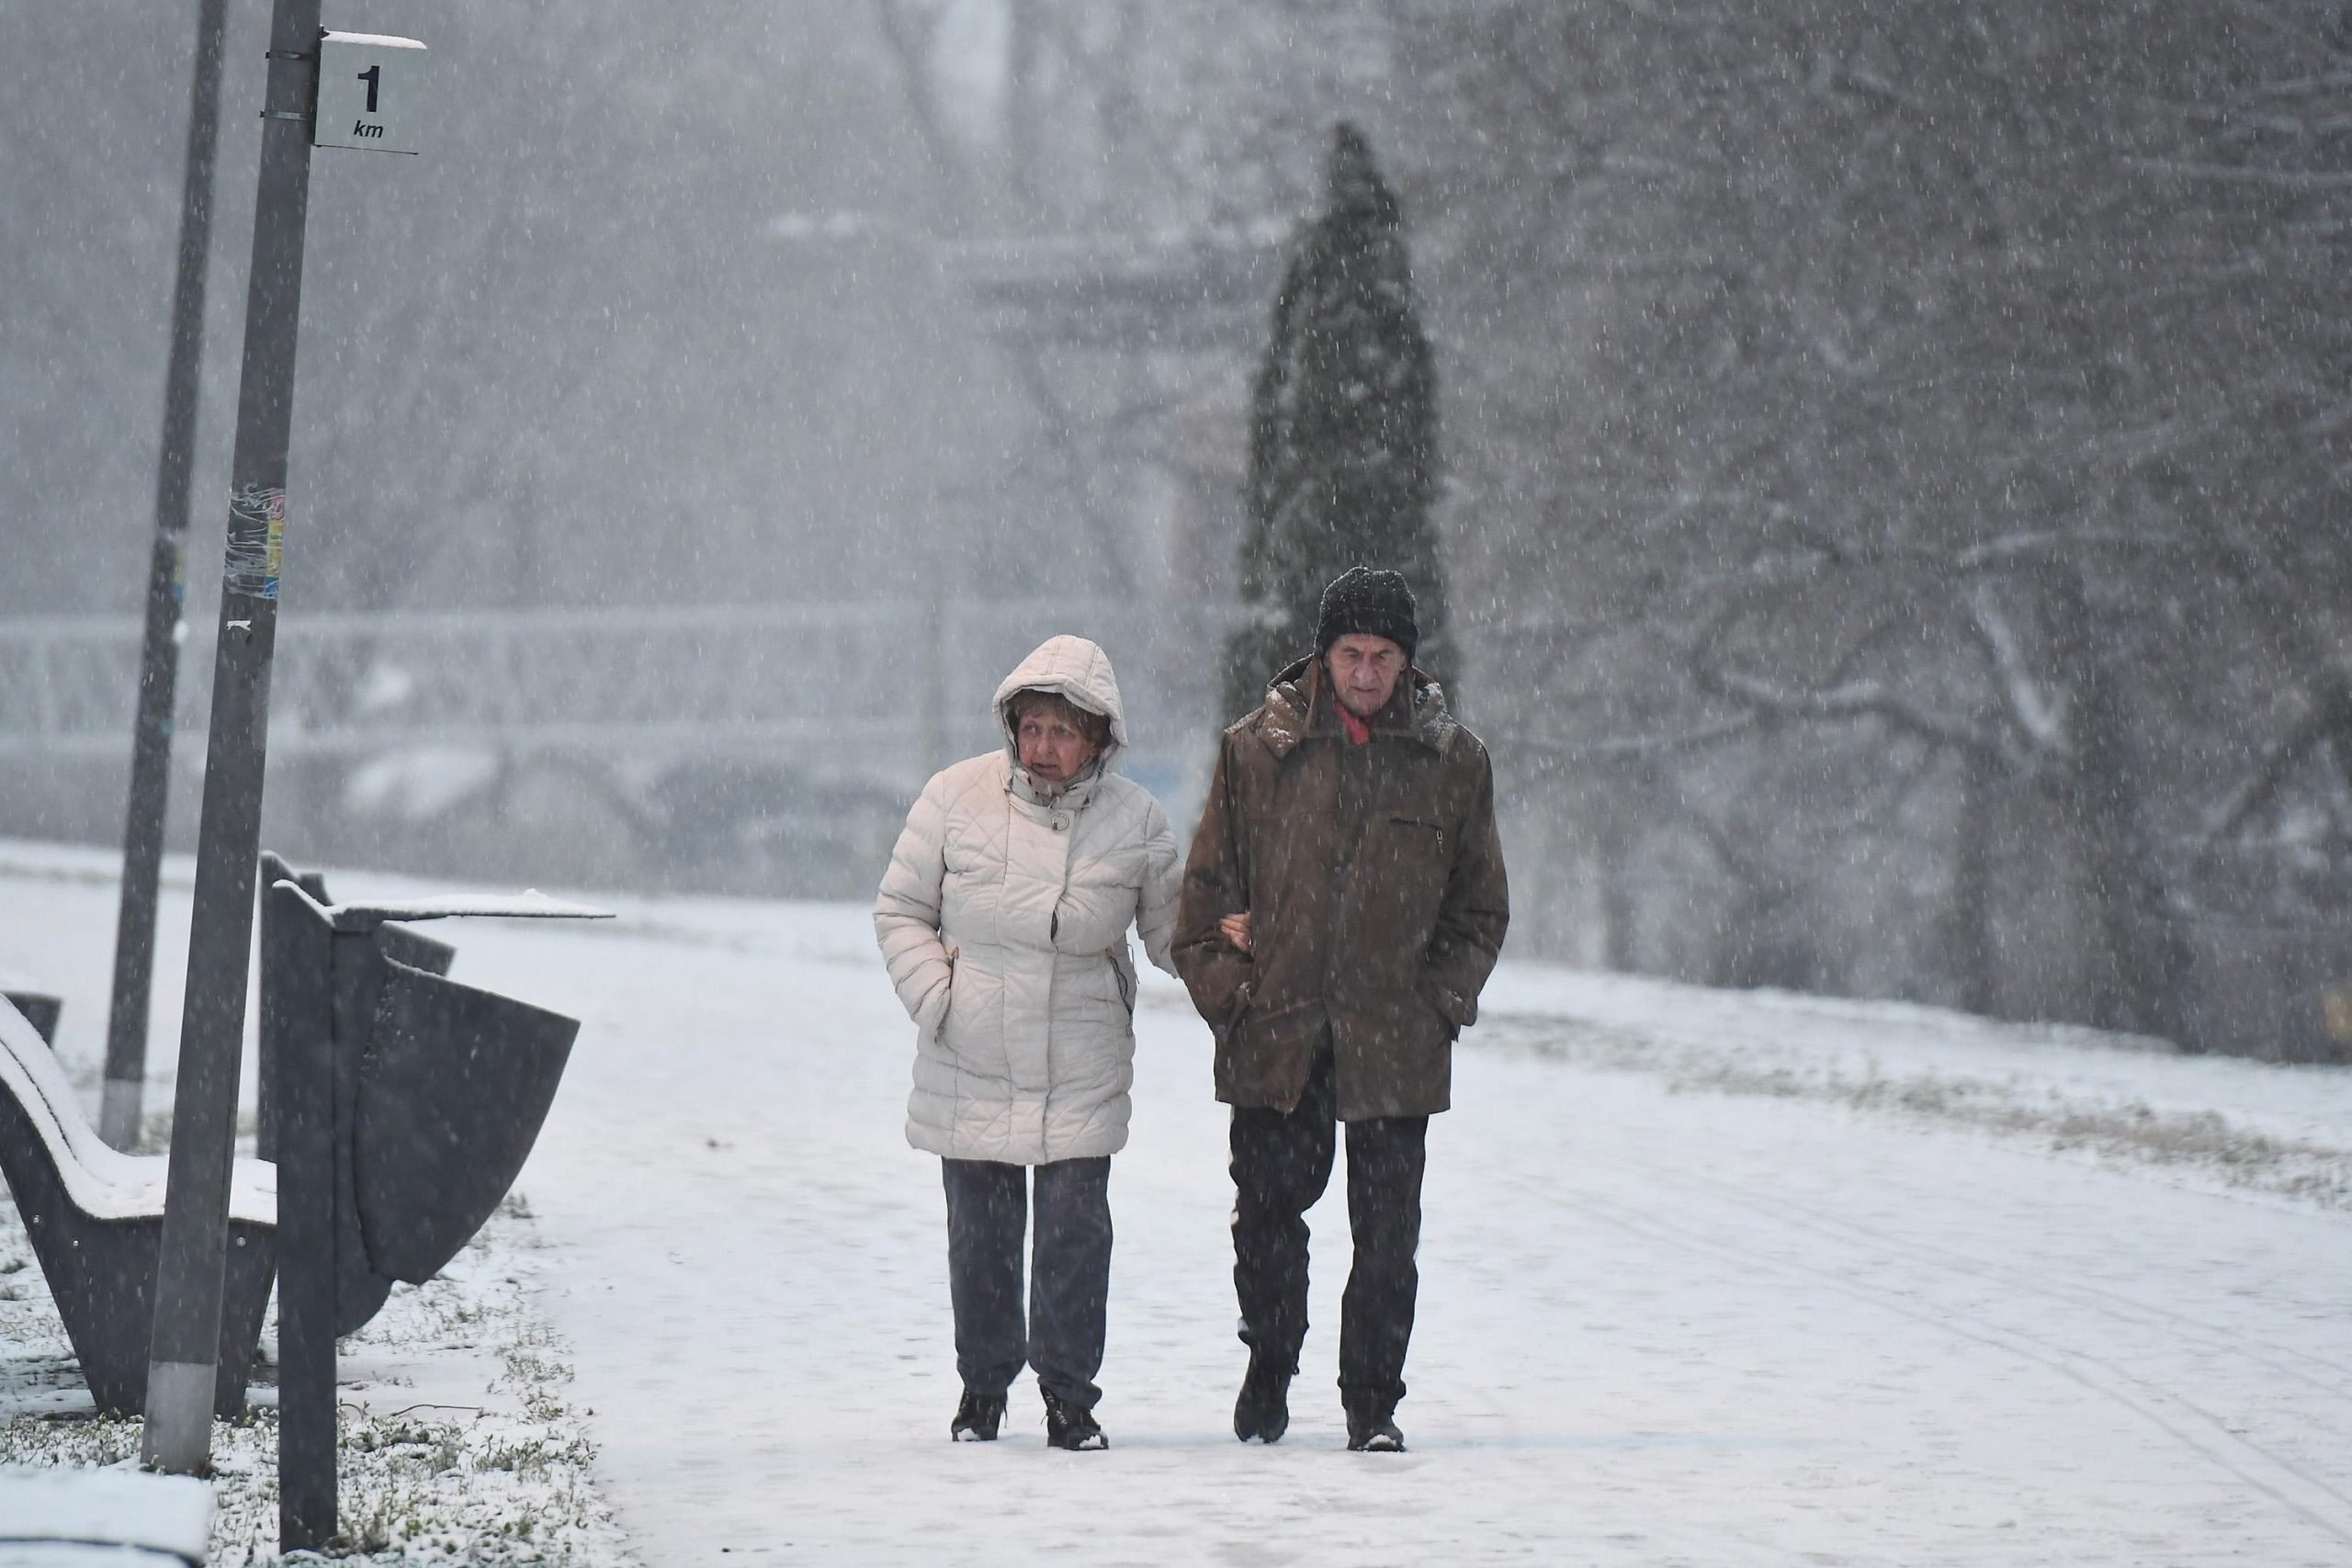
<point>2256,789</point>
<point>1632,748</point>
<point>1853,699</point>
<point>2041,716</point>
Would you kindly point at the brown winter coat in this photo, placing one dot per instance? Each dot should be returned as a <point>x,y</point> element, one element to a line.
<point>1373,883</point>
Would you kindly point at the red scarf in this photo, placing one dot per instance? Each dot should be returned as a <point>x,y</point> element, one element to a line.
<point>1359,729</point>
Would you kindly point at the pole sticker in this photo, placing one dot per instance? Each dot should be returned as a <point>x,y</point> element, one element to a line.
<point>257,541</point>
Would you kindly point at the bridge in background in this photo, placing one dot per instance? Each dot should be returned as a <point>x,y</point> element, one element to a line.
<point>879,690</point>
<point>757,748</point>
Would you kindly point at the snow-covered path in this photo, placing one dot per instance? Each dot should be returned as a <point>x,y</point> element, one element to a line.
<point>1657,1327</point>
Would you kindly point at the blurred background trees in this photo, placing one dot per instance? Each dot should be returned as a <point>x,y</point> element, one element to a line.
<point>1893,505</point>
<point>1343,434</point>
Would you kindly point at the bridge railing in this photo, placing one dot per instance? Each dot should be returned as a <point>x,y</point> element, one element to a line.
<point>882,689</point>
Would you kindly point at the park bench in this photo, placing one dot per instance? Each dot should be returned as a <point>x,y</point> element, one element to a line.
<point>398,1107</point>
<point>436,1089</point>
<point>426,1098</point>
<point>401,1106</point>
<point>95,1219</point>
<point>40,1009</point>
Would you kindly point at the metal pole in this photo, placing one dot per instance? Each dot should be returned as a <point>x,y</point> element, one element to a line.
<point>299,955</point>
<point>182,1360</point>
<point>159,665</point>
<point>278,1022</point>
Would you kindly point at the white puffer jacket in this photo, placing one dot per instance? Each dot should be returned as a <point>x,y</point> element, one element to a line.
<point>1003,918</point>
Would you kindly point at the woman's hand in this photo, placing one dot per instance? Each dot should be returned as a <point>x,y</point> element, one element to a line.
<point>1235,929</point>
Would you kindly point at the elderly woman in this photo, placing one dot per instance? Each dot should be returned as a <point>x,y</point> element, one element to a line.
<point>1003,918</point>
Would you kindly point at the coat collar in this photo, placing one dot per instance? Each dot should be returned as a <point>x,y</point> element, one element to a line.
<point>1076,796</point>
<point>1298,709</point>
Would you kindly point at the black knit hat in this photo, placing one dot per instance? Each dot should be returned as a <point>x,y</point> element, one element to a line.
<point>1363,600</point>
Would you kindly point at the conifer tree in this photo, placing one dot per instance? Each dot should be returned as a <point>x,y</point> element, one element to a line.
<point>1344,432</point>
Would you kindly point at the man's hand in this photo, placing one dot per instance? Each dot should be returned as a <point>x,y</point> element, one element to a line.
<point>1235,929</point>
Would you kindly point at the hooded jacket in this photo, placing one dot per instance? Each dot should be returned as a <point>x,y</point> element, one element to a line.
<point>1373,877</point>
<point>1003,920</point>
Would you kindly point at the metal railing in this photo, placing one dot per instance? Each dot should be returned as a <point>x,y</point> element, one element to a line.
<point>903,685</point>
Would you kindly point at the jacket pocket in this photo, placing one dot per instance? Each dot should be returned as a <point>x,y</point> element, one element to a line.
<point>1245,997</point>
<point>1280,1027</point>
<point>1122,976</point>
<point>1423,825</point>
<point>947,1008</point>
<point>1419,864</point>
<point>1458,1012</point>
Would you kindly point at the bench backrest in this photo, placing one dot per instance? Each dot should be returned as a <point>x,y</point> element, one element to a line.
<point>103,1181</point>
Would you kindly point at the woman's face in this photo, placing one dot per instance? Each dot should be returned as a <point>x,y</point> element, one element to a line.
<point>1052,747</point>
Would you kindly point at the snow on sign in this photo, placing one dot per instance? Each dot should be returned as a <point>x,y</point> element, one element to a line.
<point>368,92</point>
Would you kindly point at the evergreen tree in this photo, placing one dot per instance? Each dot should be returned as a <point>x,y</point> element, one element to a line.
<point>1344,432</point>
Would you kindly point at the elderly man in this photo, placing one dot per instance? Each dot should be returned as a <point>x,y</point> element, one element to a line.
<point>1342,906</point>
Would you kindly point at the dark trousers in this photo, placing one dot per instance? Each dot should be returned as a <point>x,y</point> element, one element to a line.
<point>1069,1273</point>
<point>1282,1162</point>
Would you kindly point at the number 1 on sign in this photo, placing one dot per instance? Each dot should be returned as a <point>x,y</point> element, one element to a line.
<point>373,76</point>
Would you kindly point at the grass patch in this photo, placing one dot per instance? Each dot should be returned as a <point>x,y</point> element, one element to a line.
<point>2202,1143</point>
<point>506,1483</point>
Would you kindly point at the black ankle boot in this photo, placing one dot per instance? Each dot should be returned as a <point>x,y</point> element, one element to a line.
<point>1372,1427</point>
<point>1263,1410</point>
<point>1071,1426</point>
<point>977,1418</point>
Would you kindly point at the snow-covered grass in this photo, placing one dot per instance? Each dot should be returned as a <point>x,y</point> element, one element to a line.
<point>459,1439</point>
<point>2203,1146</point>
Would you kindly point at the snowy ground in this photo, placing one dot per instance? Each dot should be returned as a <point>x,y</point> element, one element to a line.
<point>461,1441</point>
<point>1707,1278</point>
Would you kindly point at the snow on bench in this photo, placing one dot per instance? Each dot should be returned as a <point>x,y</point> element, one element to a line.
<point>95,1219</point>
<point>79,1519</point>
<point>103,1181</point>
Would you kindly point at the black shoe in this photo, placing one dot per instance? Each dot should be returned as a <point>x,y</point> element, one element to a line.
<point>1071,1426</point>
<point>977,1418</point>
<point>1372,1428</point>
<point>1263,1410</point>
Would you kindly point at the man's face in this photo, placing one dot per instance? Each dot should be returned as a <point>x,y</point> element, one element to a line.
<point>1364,671</point>
<point>1052,747</point>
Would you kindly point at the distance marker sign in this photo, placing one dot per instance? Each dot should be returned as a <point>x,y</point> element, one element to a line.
<point>370,92</point>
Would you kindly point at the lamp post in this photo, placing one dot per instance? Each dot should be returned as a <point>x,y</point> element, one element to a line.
<point>159,663</point>
<point>182,1369</point>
